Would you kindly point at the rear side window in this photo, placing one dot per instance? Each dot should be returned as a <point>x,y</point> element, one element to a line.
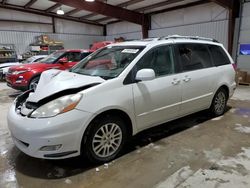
<point>219,56</point>
<point>193,56</point>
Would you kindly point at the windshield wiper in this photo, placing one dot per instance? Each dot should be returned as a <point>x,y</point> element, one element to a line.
<point>106,77</point>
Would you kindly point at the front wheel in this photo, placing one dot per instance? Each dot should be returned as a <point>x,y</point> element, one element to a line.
<point>104,139</point>
<point>219,102</point>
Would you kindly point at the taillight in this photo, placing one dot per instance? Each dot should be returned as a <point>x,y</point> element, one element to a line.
<point>234,66</point>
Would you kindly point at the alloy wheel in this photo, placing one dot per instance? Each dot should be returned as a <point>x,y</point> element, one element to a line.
<point>107,140</point>
<point>220,102</point>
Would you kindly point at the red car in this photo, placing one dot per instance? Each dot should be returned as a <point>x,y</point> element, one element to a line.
<point>24,77</point>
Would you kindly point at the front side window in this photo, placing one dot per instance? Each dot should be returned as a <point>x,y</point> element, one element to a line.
<point>73,56</point>
<point>219,56</point>
<point>52,58</point>
<point>108,62</point>
<point>160,59</point>
<point>29,60</point>
<point>39,59</point>
<point>193,56</point>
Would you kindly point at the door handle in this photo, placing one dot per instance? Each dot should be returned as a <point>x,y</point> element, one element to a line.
<point>186,79</point>
<point>176,81</point>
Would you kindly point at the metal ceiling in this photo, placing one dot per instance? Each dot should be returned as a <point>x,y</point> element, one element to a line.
<point>137,8</point>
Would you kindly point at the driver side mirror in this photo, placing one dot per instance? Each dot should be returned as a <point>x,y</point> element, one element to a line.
<point>145,75</point>
<point>63,60</point>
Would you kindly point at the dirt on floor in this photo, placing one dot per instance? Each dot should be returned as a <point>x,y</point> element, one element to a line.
<point>195,151</point>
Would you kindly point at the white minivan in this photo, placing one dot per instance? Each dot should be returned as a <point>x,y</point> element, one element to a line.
<point>118,91</point>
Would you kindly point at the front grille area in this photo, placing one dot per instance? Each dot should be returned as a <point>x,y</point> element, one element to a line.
<point>21,142</point>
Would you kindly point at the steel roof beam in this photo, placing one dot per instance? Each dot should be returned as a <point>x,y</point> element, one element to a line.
<point>30,3</point>
<point>4,2</point>
<point>228,4</point>
<point>125,4</point>
<point>105,9</point>
<point>55,6</point>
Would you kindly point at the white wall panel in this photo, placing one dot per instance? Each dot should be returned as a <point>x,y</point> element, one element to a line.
<point>17,26</point>
<point>244,36</point>
<point>122,27</point>
<point>22,16</point>
<point>23,39</point>
<point>245,23</point>
<point>127,36</point>
<point>65,26</point>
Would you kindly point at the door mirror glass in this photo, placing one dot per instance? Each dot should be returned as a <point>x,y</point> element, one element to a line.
<point>145,75</point>
<point>63,60</point>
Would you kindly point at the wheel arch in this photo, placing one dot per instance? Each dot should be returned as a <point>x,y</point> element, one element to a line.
<point>225,87</point>
<point>111,112</point>
<point>34,76</point>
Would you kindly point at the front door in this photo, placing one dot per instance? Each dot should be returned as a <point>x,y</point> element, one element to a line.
<point>158,100</point>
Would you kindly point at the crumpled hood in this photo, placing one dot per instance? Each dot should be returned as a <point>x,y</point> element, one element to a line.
<point>55,81</point>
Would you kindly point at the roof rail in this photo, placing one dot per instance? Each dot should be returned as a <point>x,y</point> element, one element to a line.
<point>187,37</point>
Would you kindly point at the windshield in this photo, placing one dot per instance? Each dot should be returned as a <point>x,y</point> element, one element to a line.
<point>108,62</point>
<point>29,60</point>
<point>52,57</point>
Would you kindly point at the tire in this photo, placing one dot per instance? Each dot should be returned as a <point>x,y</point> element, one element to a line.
<point>34,82</point>
<point>99,148</point>
<point>219,103</point>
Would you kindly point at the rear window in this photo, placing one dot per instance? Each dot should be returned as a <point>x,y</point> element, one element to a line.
<point>219,55</point>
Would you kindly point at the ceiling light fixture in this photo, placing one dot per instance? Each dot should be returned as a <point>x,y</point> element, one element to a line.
<point>90,0</point>
<point>60,11</point>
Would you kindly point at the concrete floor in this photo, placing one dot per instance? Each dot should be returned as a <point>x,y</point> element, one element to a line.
<point>195,151</point>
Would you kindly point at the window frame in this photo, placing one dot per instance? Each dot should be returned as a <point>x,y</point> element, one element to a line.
<point>224,54</point>
<point>130,78</point>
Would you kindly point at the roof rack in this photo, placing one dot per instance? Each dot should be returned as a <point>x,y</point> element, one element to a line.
<point>150,39</point>
<point>187,37</point>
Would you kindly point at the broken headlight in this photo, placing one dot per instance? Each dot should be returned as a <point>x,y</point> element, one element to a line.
<point>57,106</point>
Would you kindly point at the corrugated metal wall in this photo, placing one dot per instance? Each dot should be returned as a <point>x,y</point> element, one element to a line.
<point>23,39</point>
<point>217,30</point>
<point>208,20</point>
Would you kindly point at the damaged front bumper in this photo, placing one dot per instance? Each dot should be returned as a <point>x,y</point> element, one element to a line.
<point>57,137</point>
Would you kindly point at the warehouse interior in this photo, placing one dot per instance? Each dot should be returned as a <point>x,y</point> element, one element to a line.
<point>194,151</point>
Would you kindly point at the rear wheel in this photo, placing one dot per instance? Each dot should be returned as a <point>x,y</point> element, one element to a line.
<point>34,82</point>
<point>219,103</point>
<point>104,139</point>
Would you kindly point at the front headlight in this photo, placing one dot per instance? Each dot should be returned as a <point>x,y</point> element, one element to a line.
<point>19,72</point>
<point>57,106</point>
